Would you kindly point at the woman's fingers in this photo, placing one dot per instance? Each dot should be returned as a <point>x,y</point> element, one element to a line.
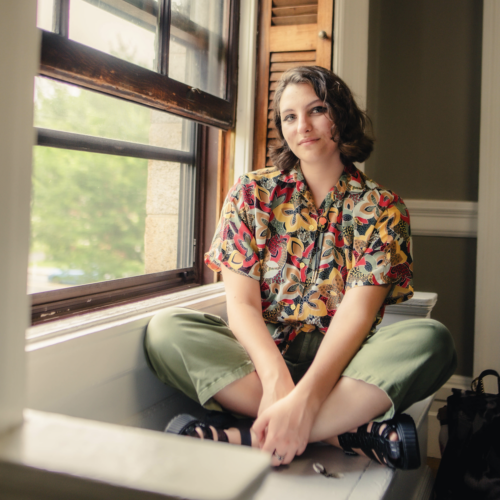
<point>259,428</point>
<point>281,445</point>
<point>283,458</point>
<point>283,429</point>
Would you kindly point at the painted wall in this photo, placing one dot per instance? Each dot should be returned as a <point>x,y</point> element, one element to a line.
<point>19,49</point>
<point>424,78</point>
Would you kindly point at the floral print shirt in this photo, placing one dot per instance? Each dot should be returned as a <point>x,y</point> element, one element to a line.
<point>306,258</point>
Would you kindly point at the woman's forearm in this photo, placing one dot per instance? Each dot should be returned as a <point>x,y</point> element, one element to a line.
<point>347,331</point>
<point>249,328</point>
<point>246,322</point>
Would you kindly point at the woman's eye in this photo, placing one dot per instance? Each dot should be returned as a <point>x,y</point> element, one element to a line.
<point>319,109</point>
<point>288,118</point>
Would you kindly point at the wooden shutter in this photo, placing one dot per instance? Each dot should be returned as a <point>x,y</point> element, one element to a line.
<point>289,36</point>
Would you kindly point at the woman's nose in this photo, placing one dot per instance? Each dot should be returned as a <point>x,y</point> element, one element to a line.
<point>304,124</point>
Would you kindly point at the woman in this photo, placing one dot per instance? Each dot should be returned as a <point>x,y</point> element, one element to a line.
<point>310,251</point>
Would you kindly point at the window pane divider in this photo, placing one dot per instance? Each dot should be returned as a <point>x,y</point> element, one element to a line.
<point>163,36</point>
<point>90,144</point>
<point>61,17</point>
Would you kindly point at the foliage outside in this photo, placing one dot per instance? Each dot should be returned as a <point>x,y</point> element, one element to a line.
<point>89,210</point>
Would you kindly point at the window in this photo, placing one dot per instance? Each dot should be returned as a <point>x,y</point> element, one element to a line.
<point>125,93</point>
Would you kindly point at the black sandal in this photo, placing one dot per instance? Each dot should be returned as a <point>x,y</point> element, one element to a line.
<point>402,454</point>
<point>186,425</point>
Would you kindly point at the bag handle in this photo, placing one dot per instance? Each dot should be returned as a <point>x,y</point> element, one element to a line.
<point>477,384</point>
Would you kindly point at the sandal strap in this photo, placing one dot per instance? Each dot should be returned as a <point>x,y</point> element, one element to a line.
<point>403,453</point>
<point>187,425</point>
<point>246,438</point>
<point>374,444</point>
<point>205,430</point>
<point>222,436</point>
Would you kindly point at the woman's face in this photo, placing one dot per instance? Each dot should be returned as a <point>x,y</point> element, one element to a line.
<point>306,125</point>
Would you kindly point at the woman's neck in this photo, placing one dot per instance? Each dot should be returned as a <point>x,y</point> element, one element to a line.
<point>321,178</point>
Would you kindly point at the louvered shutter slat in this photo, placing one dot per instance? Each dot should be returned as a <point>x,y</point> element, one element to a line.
<point>293,3</point>
<point>309,55</point>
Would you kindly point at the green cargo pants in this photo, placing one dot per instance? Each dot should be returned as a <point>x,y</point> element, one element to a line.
<point>198,354</point>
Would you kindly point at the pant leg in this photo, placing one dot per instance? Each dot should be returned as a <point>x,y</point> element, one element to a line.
<point>196,353</point>
<point>408,360</point>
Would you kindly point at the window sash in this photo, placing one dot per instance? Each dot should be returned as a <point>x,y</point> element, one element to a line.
<point>72,62</point>
<point>67,301</point>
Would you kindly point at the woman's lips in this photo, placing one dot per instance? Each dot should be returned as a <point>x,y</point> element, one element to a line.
<point>309,140</point>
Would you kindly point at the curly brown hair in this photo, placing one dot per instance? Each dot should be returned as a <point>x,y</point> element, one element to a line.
<point>351,125</point>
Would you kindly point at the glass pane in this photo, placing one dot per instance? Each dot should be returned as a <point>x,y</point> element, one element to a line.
<point>45,15</point>
<point>60,106</point>
<point>198,45</point>
<point>100,217</point>
<point>118,27</point>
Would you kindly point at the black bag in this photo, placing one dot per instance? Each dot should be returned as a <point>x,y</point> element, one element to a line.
<point>470,467</point>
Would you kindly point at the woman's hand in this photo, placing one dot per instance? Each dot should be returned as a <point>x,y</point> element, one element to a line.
<point>283,429</point>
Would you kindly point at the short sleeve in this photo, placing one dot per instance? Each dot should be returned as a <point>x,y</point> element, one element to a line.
<point>382,254</point>
<point>233,244</point>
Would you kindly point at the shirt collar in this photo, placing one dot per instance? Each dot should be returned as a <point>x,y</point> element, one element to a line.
<point>352,180</point>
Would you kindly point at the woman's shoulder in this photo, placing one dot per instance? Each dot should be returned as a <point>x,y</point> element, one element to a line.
<point>378,193</point>
<point>254,185</point>
<point>258,176</point>
<point>264,178</point>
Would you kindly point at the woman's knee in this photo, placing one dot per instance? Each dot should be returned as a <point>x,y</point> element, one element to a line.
<point>165,329</point>
<point>437,341</point>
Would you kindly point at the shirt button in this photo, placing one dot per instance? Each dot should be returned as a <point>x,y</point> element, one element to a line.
<point>293,307</point>
<point>302,265</point>
<point>311,227</point>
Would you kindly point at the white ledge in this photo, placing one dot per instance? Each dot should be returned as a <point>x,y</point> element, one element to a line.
<point>83,459</point>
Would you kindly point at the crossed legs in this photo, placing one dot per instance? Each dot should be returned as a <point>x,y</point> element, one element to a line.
<point>400,365</point>
<point>350,404</point>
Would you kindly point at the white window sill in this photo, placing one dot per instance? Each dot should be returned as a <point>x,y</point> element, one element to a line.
<point>54,456</point>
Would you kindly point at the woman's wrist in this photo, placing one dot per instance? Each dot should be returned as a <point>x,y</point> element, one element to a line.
<point>276,376</point>
<point>311,396</point>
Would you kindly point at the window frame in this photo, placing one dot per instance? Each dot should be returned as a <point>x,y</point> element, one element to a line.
<point>71,62</point>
